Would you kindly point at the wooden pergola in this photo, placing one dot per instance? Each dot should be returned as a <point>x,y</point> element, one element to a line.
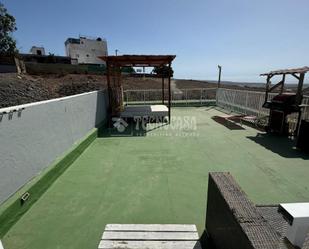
<point>298,73</point>
<point>114,65</point>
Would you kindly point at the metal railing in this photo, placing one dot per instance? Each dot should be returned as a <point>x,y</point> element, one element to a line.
<point>201,96</point>
<point>251,103</point>
<point>239,101</point>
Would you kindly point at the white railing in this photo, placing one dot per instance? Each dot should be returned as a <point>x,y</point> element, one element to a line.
<point>251,102</point>
<point>246,102</point>
<point>240,101</point>
<point>183,96</point>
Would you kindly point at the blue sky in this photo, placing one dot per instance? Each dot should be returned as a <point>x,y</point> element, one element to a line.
<point>246,37</point>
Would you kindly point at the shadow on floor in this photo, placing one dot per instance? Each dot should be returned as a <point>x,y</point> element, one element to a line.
<point>228,123</point>
<point>280,145</point>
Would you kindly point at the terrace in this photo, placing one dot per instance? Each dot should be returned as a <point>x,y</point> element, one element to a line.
<point>158,179</point>
<point>158,176</point>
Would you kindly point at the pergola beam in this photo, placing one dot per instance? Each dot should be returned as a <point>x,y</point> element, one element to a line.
<point>139,60</point>
<point>280,83</point>
<point>294,75</point>
<point>287,71</point>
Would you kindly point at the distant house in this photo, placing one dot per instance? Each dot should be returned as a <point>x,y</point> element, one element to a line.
<point>86,50</point>
<point>37,50</point>
<point>38,55</point>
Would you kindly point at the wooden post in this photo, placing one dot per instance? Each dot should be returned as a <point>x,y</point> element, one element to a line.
<point>169,92</point>
<point>267,87</point>
<point>108,71</point>
<point>163,90</point>
<point>219,78</point>
<point>115,89</point>
<point>299,98</point>
<point>299,93</point>
<point>282,84</point>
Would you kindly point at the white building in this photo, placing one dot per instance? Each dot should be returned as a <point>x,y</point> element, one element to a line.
<point>37,50</point>
<point>85,50</point>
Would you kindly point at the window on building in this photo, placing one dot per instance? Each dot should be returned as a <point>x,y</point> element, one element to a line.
<point>39,52</point>
<point>77,55</point>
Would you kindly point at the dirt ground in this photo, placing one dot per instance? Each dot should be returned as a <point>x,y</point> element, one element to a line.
<point>17,90</point>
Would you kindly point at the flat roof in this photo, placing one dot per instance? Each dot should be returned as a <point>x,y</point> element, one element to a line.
<point>159,178</point>
<point>287,71</point>
<point>139,60</point>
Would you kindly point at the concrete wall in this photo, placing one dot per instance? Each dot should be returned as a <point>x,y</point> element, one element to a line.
<point>32,136</point>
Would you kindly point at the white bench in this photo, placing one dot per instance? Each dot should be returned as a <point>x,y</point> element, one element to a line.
<point>150,236</point>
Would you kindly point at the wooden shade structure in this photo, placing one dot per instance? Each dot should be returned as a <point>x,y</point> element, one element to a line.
<point>284,110</point>
<point>139,60</point>
<point>298,73</point>
<point>114,65</point>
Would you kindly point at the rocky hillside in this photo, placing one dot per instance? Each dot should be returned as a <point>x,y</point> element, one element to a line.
<point>16,90</point>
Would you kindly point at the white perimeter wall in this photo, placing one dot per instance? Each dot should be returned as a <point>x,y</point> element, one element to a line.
<point>42,132</point>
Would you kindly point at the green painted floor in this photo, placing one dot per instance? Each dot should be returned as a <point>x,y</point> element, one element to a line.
<point>158,178</point>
